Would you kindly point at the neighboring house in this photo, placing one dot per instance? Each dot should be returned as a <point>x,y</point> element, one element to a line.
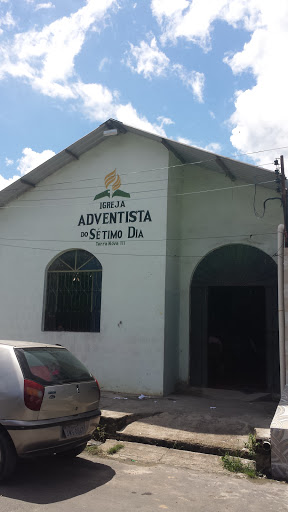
<point>153,261</point>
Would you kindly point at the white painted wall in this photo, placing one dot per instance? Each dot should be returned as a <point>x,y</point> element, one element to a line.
<point>126,356</point>
<point>206,221</point>
<point>137,350</point>
<point>172,303</point>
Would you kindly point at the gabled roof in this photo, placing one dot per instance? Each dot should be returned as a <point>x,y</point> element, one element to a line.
<point>234,169</point>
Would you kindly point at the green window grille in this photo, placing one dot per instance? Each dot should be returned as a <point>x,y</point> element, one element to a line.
<point>73,293</point>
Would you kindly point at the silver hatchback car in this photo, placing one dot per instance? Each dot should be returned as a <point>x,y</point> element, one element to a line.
<point>49,403</point>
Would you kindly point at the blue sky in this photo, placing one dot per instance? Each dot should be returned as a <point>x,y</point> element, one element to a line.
<point>210,73</point>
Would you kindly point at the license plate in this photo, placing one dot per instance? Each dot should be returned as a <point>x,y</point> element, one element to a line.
<point>76,430</point>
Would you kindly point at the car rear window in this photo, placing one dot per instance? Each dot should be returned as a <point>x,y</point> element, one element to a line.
<point>51,366</point>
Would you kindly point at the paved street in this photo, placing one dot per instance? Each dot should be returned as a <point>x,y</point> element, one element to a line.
<point>91,483</point>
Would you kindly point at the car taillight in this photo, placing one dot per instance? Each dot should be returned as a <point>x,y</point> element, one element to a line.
<point>33,394</point>
<point>98,387</point>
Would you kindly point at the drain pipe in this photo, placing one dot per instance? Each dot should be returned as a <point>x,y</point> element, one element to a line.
<point>266,445</point>
<point>281,310</point>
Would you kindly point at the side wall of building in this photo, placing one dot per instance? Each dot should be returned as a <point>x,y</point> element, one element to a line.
<point>211,211</point>
<point>213,219</point>
<point>174,208</point>
<point>127,353</point>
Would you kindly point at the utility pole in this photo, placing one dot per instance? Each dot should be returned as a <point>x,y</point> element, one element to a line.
<point>281,280</point>
<point>284,197</point>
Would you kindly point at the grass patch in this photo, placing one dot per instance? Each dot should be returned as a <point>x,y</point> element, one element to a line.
<point>116,448</point>
<point>100,434</point>
<point>94,450</point>
<point>235,465</point>
<point>252,445</point>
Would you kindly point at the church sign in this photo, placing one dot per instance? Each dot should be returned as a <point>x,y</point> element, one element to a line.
<point>110,228</point>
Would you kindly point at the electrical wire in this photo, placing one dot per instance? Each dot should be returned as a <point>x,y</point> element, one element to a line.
<point>88,197</point>
<point>124,254</point>
<point>83,188</point>
<point>250,235</point>
<point>106,253</point>
<point>162,168</point>
<point>27,247</point>
<point>262,151</point>
<point>258,215</point>
<point>154,169</point>
<point>262,165</point>
<point>131,199</point>
<point>276,253</point>
<point>130,254</point>
<point>128,173</point>
<point>102,188</point>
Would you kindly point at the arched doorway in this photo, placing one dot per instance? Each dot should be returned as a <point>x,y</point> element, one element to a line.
<point>234,320</point>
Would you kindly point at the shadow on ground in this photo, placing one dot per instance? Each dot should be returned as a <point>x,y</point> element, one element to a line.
<point>206,424</point>
<point>207,411</point>
<point>51,479</point>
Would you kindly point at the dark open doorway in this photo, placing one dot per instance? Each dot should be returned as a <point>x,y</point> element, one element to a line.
<point>236,337</point>
<point>234,321</point>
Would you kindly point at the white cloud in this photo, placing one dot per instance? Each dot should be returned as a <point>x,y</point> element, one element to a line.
<point>4,182</point>
<point>104,63</point>
<point>189,19</point>
<point>212,114</point>
<point>260,117</point>
<point>192,80</point>
<point>32,159</point>
<point>183,140</point>
<point>193,19</point>
<point>164,121</point>
<point>168,8</point>
<point>7,20</point>
<point>147,59</point>
<point>150,61</point>
<point>214,147</point>
<point>98,101</point>
<point>54,89</point>
<point>45,58</point>
<point>128,115</point>
<point>47,5</point>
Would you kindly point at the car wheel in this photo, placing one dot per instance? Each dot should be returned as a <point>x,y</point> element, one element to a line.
<point>8,456</point>
<point>73,452</point>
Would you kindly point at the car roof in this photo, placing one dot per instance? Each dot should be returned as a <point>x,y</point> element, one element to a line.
<point>26,344</point>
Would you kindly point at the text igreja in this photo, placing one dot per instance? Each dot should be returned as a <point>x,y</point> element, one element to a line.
<point>115,217</point>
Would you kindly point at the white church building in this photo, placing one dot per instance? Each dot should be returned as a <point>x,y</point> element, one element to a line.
<point>154,262</point>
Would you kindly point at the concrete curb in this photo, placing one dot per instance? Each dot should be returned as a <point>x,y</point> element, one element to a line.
<point>151,455</point>
<point>203,424</point>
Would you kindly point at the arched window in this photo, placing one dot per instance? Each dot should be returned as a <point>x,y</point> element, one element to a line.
<point>73,293</point>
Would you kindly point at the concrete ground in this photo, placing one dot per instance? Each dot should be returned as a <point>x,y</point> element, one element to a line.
<point>147,455</point>
<point>147,477</point>
<point>207,420</point>
<point>132,483</point>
